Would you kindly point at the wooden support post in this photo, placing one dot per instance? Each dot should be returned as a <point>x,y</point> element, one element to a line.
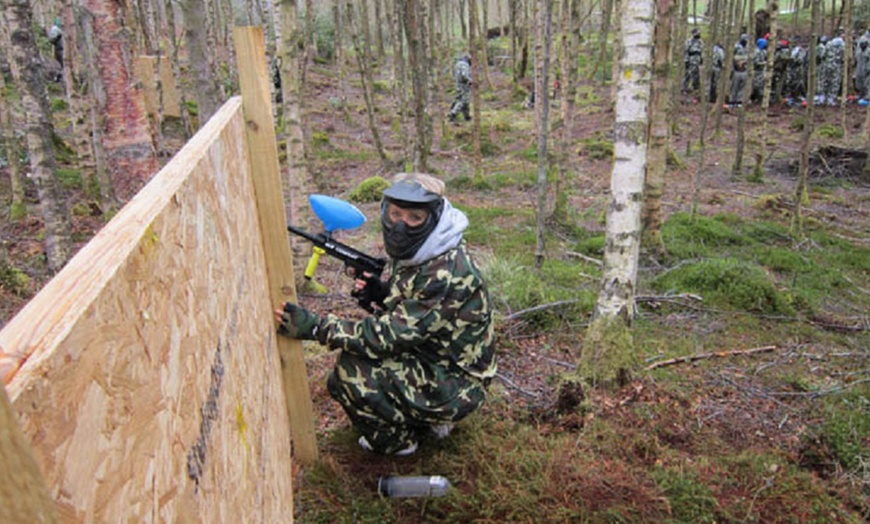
<point>257,105</point>
<point>23,495</point>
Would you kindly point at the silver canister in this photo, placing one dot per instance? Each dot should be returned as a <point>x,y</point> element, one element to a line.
<point>423,486</point>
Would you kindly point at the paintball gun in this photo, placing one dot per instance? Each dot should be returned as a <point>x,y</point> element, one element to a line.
<point>337,214</point>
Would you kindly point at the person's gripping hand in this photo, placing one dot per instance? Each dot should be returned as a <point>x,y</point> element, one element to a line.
<point>297,322</point>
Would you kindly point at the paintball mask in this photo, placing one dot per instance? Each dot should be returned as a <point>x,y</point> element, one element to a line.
<point>401,240</point>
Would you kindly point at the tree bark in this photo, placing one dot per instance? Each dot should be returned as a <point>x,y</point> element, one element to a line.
<point>196,31</point>
<point>608,353</point>
<point>737,167</point>
<point>413,29</point>
<point>127,138</point>
<point>100,178</point>
<point>606,11</point>
<point>474,42</point>
<point>659,130</point>
<point>542,107</point>
<point>8,122</point>
<point>568,60</point>
<point>363,61</point>
<point>761,151</point>
<point>296,178</point>
<point>28,73</point>
<point>800,193</point>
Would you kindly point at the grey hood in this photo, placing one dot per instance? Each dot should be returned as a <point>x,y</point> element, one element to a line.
<point>446,235</point>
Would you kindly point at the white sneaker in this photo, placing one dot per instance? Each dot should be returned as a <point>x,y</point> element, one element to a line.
<point>441,430</point>
<point>364,443</point>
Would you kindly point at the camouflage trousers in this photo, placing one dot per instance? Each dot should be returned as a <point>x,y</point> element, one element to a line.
<point>394,402</point>
<point>461,104</point>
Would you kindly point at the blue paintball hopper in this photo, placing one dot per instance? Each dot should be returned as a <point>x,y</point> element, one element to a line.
<point>336,213</point>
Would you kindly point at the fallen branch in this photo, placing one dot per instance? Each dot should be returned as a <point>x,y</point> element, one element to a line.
<point>704,356</point>
<point>514,385</point>
<point>540,308</point>
<point>581,256</point>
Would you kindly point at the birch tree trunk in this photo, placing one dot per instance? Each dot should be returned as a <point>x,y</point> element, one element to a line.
<point>659,130</point>
<point>127,137</point>
<point>542,107</point>
<point>101,178</point>
<point>296,179</point>
<point>196,32</point>
<point>608,353</point>
<point>28,73</point>
<point>800,193</point>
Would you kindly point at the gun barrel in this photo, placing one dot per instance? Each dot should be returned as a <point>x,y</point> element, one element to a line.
<point>350,256</point>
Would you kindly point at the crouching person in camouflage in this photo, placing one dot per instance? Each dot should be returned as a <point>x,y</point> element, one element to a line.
<point>423,362</point>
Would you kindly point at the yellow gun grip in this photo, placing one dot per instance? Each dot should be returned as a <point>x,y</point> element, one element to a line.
<point>316,252</point>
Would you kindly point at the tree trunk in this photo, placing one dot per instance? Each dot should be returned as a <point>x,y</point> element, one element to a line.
<point>8,123</point>
<point>659,130</point>
<point>195,29</point>
<point>400,91</point>
<point>339,57</point>
<point>474,42</point>
<point>127,138</point>
<point>28,73</point>
<point>800,193</point>
<point>100,178</point>
<point>606,11</point>
<point>413,29</point>
<point>173,44</point>
<point>846,83</point>
<point>296,179</point>
<point>737,167</point>
<point>379,30</point>
<point>363,61</point>
<point>608,353</point>
<point>761,150</point>
<point>568,60</point>
<point>482,30</point>
<point>542,107</point>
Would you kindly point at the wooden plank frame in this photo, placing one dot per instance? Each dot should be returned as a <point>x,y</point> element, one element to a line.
<point>150,385</point>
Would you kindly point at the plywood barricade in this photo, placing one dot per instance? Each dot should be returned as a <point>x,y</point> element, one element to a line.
<point>150,384</point>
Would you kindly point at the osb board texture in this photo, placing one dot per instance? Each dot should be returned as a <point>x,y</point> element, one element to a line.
<point>151,391</point>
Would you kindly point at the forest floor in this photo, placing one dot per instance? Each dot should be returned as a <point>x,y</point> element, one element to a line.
<point>726,438</point>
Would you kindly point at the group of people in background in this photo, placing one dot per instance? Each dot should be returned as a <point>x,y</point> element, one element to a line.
<point>790,70</point>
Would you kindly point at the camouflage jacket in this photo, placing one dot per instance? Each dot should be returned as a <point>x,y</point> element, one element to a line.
<point>694,48</point>
<point>438,310</point>
<point>462,74</point>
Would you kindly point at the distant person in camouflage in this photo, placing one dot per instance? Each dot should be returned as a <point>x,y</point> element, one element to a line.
<point>423,362</point>
<point>55,38</point>
<point>740,73</point>
<point>781,60</point>
<point>832,70</point>
<point>462,81</point>
<point>759,64</point>
<point>693,59</point>
<point>862,67</point>
<point>716,73</point>
<point>796,75</point>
